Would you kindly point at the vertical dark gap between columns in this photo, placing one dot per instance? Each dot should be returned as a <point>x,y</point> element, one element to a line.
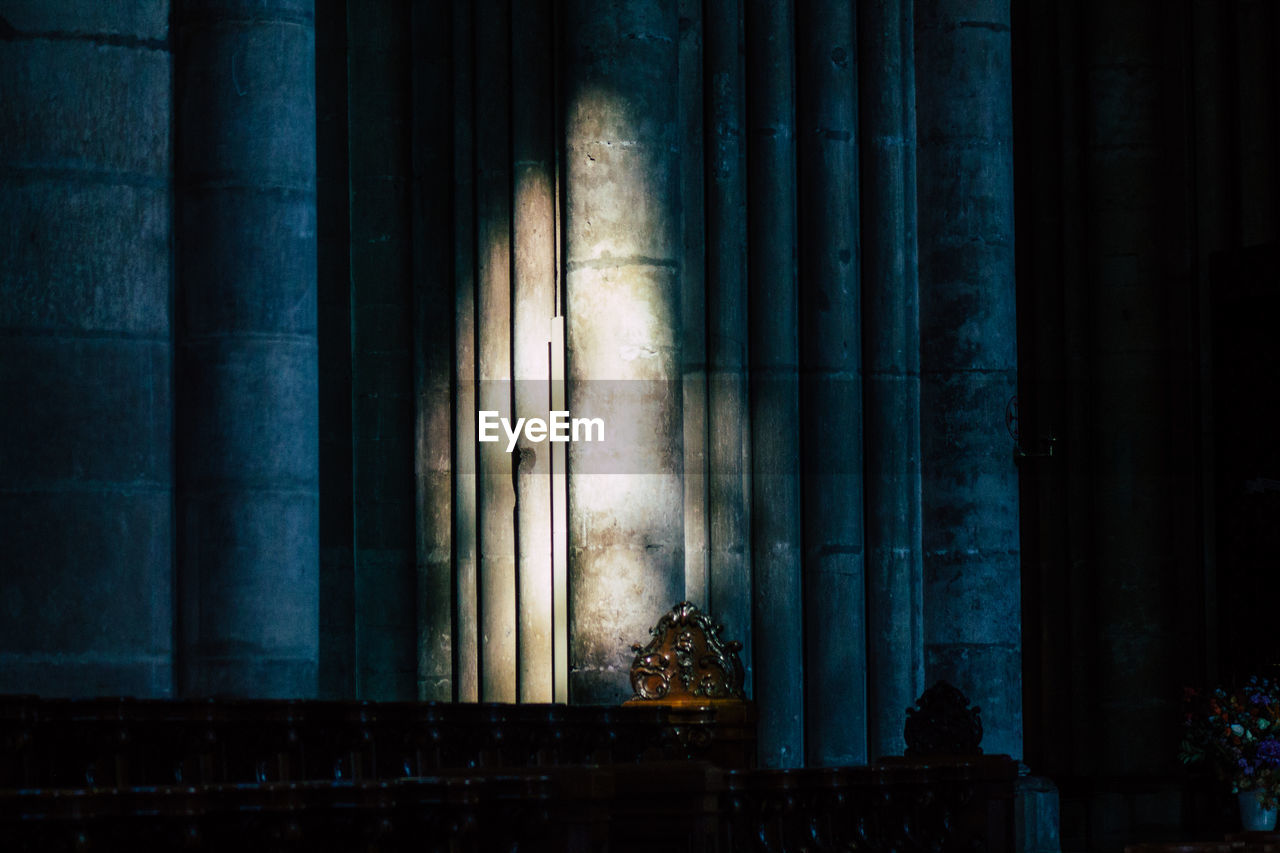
<point>247,404</point>
<point>333,296</point>
<point>380,110</point>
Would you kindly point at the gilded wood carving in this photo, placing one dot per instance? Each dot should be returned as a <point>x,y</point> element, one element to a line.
<point>686,658</point>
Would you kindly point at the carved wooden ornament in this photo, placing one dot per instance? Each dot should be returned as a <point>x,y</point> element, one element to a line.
<point>943,723</point>
<point>687,659</point>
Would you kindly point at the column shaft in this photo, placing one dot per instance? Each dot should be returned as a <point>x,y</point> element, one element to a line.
<point>891,370</point>
<point>623,335</point>
<point>466,657</point>
<point>534,294</point>
<point>831,389</point>
<point>496,502</point>
<point>433,348</point>
<point>968,359</point>
<point>693,297</point>
<point>777,618</point>
<point>247,377</point>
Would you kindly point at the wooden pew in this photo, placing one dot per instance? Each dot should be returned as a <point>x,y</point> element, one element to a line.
<point>952,806</point>
<point>453,814</point>
<point>113,742</point>
<point>575,809</point>
<point>671,770</point>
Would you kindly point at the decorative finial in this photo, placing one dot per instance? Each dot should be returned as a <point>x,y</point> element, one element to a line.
<point>686,658</point>
<point>943,723</point>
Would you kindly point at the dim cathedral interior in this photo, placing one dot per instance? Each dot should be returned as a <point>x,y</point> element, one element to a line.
<point>933,341</point>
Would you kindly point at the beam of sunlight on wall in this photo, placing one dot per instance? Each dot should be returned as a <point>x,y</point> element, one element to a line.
<point>622,240</point>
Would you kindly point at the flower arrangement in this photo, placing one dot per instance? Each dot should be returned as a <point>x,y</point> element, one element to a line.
<point>1237,733</point>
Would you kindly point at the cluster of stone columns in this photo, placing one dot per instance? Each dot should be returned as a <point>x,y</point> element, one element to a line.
<point>729,310</point>
<point>899,558</point>
<point>160,366</point>
<point>717,203</point>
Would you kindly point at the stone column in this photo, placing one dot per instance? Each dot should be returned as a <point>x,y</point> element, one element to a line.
<point>693,297</point>
<point>466,655</point>
<point>622,243</point>
<point>968,359</point>
<point>831,391</point>
<point>496,501</point>
<point>891,369</point>
<point>333,326</point>
<point>533,232</point>
<point>85,349</point>
<point>248,545</point>
<point>777,624</point>
<point>433,347</point>
<point>729,420</point>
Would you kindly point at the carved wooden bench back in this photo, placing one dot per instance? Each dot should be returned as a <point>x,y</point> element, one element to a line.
<point>686,659</point>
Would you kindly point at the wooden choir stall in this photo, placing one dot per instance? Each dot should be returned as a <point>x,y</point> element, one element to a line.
<point>671,769</point>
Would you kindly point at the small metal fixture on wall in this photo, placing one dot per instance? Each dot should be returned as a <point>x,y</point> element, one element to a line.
<point>1012,422</point>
